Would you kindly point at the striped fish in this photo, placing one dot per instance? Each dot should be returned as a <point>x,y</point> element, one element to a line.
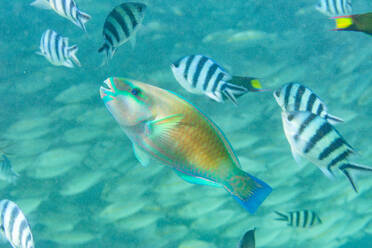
<point>302,218</point>
<point>6,171</point>
<point>334,7</point>
<point>121,25</point>
<point>312,137</point>
<point>55,49</point>
<point>200,74</point>
<point>65,8</point>
<point>296,97</point>
<point>14,225</point>
<point>248,240</point>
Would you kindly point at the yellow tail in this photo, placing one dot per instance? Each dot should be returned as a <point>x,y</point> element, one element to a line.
<point>343,22</point>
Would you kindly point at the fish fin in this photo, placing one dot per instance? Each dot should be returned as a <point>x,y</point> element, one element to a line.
<point>72,52</point>
<point>333,119</point>
<point>68,64</point>
<point>248,240</point>
<point>160,129</point>
<point>82,19</point>
<point>345,169</point>
<point>39,53</point>
<point>248,190</point>
<point>297,157</point>
<point>327,172</point>
<point>250,83</point>
<point>344,23</point>
<point>232,92</point>
<point>42,4</point>
<point>281,216</point>
<point>217,98</point>
<point>196,180</point>
<point>141,156</point>
<point>133,40</point>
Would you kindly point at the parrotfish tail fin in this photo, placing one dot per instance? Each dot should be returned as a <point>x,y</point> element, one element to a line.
<point>250,83</point>
<point>333,119</point>
<point>42,4</point>
<point>72,52</point>
<point>83,18</point>
<point>344,23</point>
<point>232,92</point>
<point>248,190</point>
<point>281,216</point>
<point>345,169</point>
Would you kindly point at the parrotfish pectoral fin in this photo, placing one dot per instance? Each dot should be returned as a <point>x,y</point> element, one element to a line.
<point>343,23</point>
<point>196,180</point>
<point>250,83</point>
<point>141,156</point>
<point>345,169</point>
<point>281,216</point>
<point>249,191</point>
<point>72,51</point>
<point>42,4</point>
<point>333,119</point>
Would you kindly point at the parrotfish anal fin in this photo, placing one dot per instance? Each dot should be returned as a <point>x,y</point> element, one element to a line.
<point>42,4</point>
<point>141,156</point>
<point>250,83</point>
<point>161,129</point>
<point>197,180</point>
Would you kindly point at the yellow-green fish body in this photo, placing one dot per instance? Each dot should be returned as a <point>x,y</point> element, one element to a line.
<point>165,127</point>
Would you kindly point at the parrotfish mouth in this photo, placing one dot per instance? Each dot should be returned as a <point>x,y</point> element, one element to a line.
<point>107,91</point>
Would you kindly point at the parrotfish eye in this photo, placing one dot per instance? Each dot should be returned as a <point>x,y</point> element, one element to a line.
<point>135,91</point>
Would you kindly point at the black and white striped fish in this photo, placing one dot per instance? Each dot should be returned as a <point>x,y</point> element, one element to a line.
<point>334,7</point>
<point>121,25</point>
<point>248,240</point>
<point>55,49</point>
<point>14,226</point>
<point>65,8</point>
<point>6,171</point>
<point>301,218</point>
<point>200,74</point>
<point>312,137</point>
<point>296,97</point>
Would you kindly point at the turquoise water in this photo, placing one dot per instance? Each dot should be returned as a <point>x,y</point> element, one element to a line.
<point>80,184</point>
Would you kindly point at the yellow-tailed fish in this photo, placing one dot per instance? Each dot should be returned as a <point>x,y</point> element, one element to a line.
<point>167,128</point>
<point>359,23</point>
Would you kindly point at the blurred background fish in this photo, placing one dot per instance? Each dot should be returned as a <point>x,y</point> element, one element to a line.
<point>300,218</point>
<point>6,171</point>
<point>120,26</point>
<point>170,130</point>
<point>200,74</point>
<point>359,23</point>
<point>334,7</point>
<point>248,240</point>
<point>312,137</point>
<point>297,97</point>
<point>65,8</point>
<point>14,225</point>
<point>55,49</point>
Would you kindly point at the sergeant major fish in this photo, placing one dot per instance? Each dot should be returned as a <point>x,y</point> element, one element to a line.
<point>14,225</point>
<point>120,26</point>
<point>166,128</point>
<point>55,49</point>
<point>199,74</point>
<point>358,23</point>
<point>334,7</point>
<point>312,137</point>
<point>65,8</point>
<point>302,218</point>
<point>6,171</point>
<point>296,97</point>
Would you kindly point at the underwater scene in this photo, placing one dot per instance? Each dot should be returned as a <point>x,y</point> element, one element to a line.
<point>186,124</point>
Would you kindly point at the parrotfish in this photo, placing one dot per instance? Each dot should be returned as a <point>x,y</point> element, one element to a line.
<point>166,128</point>
<point>359,23</point>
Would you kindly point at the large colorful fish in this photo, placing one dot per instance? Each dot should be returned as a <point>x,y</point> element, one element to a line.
<point>166,128</point>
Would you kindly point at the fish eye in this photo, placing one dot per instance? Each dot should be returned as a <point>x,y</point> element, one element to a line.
<point>290,117</point>
<point>277,93</point>
<point>135,91</point>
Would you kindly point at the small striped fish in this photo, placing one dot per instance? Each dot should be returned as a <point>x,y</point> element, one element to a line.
<point>121,25</point>
<point>200,74</point>
<point>334,7</point>
<point>301,218</point>
<point>6,171</point>
<point>248,240</point>
<point>65,8</point>
<point>312,137</point>
<point>55,49</point>
<point>14,225</point>
<point>296,97</point>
